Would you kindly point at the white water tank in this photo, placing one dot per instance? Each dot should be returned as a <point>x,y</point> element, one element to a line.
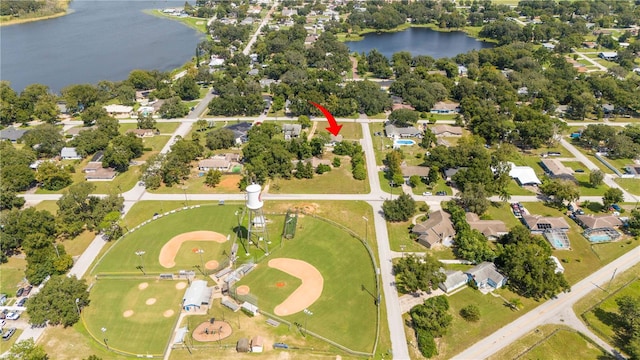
<point>254,202</point>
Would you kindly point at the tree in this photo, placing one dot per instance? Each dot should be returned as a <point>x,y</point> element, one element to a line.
<point>304,121</point>
<point>16,225</point>
<point>470,313</point>
<point>418,274</point>
<point>52,176</point>
<point>336,162</point>
<point>173,108</point>
<point>146,121</point>
<point>44,258</point>
<point>559,191</point>
<point>629,323</point>
<point>432,315</point>
<point>474,198</point>
<point>77,209</point>
<point>404,117</point>
<point>122,150</point>
<point>220,139</point>
<point>79,97</point>
<point>57,301</point>
<point>110,226</point>
<point>400,209</point>
<point>9,200</point>
<point>612,196</point>
<point>596,178</point>
<point>45,140</point>
<point>186,88</point>
<point>213,178</point>
<point>26,350</point>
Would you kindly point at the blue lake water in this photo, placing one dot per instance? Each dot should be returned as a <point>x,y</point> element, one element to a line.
<point>419,41</point>
<point>99,40</point>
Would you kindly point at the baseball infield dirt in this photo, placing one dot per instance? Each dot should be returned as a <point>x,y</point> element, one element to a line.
<point>127,313</point>
<point>211,265</point>
<point>242,290</point>
<point>307,293</point>
<point>143,285</point>
<point>170,249</point>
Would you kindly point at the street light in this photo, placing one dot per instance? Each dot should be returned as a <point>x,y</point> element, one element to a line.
<point>77,308</point>
<point>184,190</point>
<point>309,313</point>
<point>366,229</point>
<point>402,246</point>
<point>140,254</point>
<point>104,337</point>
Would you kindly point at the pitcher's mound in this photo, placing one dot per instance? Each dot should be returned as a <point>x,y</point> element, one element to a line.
<point>127,313</point>
<point>242,290</point>
<point>211,265</point>
<point>181,285</point>
<point>207,331</point>
<point>143,285</point>
<point>168,313</point>
<point>150,301</point>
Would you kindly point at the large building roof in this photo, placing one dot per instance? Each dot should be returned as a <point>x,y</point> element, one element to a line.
<point>435,229</point>
<point>556,168</point>
<point>197,294</point>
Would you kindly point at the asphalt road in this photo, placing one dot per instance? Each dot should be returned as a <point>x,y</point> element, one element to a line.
<point>549,310</point>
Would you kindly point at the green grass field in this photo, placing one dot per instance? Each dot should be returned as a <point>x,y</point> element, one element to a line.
<point>603,317</point>
<point>345,267</point>
<point>336,181</point>
<point>552,342</point>
<point>152,237</point>
<point>11,275</point>
<point>631,185</point>
<point>147,330</point>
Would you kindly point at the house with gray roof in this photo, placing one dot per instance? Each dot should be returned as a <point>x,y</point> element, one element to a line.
<point>491,229</point>
<point>486,276</point>
<point>69,153</point>
<point>401,132</point>
<point>455,280</point>
<point>12,134</point>
<point>438,229</point>
<point>291,131</point>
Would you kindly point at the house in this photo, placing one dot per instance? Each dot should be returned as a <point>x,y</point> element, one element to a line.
<point>448,173</point>
<point>486,276</point>
<point>77,130</point>
<point>598,221</point>
<point>291,131</point>
<point>69,153</point>
<point>310,39</point>
<point>462,70</point>
<point>247,21</point>
<point>257,344</point>
<point>491,229</point>
<point>608,55</point>
<point>590,44</point>
<point>446,130</point>
<point>146,110</point>
<point>216,61</point>
<point>524,175</point>
<point>335,139</point>
<point>118,110</point>
<point>548,46</point>
<point>197,295</point>
<point>438,229</point>
<point>289,12</point>
<point>142,133</point>
<point>455,280</point>
<point>555,169</point>
<point>409,171</point>
<point>99,174</point>
<point>559,268</point>
<point>240,130</point>
<point>608,108</point>
<point>92,167</point>
<point>442,107</point>
<point>12,134</point>
<point>395,132</point>
<point>243,345</point>
<point>214,164</point>
<point>539,224</point>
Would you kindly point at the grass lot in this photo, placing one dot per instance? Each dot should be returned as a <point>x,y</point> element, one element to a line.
<point>73,343</point>
<point>144,210</point>
<point>349,131</point>
<point>586,189</point>
<point>79,244</point>
<point>596,296</point>
<point>152,237</point>
<point>501,211</point>
<point>602,318</point>
<point>147,331</point>
<point>195,185</point>
<point>121,183</point>
<point>422,187</point>
<point>163,127</point>
<point>583,258</point>
<point>514,189</point>
<point>11,275</point>
<point>345,267</point>
<point>199,24</point>
<point>493,315</point>
<point>6,345</point>
<point>49,205</point>
<point>619,163</point>
<point>336,181</point>
<point>631,185</point>
<point>552,342</point>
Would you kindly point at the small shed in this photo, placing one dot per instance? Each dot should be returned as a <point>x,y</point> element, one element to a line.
<point>243,345</point>
<point>257,344</point>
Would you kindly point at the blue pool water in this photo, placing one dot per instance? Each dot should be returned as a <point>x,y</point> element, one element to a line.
<point>558,244</point>
<point>599,238</point>
<point>404,142</point>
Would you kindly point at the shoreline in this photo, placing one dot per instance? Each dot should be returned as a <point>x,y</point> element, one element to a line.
<point>190,22</point>
<point>16,21</point>
<point>359,36</point>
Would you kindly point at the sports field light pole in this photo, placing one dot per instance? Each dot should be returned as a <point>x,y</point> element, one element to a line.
<point>200,251</point>
<point>140,254</point>
<point>104,337</point>
<point>184,190</point>
<point>309,313</point>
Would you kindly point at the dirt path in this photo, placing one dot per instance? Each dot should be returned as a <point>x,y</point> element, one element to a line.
<point>354,68</point>
<point>307,293</point>
<point>312,131</point>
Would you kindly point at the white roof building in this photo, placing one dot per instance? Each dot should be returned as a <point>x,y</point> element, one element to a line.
<point>197,294</point>
<point>524,175</point>
<point>118,109</point>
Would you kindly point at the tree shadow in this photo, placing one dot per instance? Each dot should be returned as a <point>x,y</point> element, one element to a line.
<point>607,317</point>
<point>595,207</point>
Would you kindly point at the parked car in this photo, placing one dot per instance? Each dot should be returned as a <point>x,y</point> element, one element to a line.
<point>441,193</point>
<point>280,346</point>
<point>579,170</point>
<point>22,301</point>
<point>14,315</point>
<point>6,335</point>
<point>19,292</point>
<point>616,207</point>
<point>27,290</point>
<point>427,193</point>
<point>3,299</point>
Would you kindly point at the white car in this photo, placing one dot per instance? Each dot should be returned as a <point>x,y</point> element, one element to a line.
<point>13,316</point>
<point>427,193</point>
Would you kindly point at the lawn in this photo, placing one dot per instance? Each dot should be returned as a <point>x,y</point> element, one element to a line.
<point>552,342</point>
<point>74,343</point>
<point>345,266</point>
<point>49,205</point>
<point>195,185</point>
<point>585,187</point>
<point>151,238</point>
<point>144,210</point>
<point>199,24</point>
<point>148,329</point>
<point>602,318</point>
<point>121,183</point>
<point>11,275</point>
<point>514,189</point>
<point>349,131</point>
<point>493,315</point>
<point>631,185</point>
<point>596,296</point>
<point>398,233</point>
<point>501,211</point>
<point>79,244</point>
<point>336,181</point>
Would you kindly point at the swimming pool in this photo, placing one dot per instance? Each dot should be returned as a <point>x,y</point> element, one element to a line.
<point>599,238</point>
<point>402,142</point>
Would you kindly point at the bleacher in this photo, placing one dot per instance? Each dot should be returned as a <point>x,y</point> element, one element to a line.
<point>230,304</point>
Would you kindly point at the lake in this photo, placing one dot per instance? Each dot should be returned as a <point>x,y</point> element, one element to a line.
<point>99,40</point>
<point>418,41</point>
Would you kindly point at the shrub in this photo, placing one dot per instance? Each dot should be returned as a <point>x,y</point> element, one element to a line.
<point>336,162</point>
<point>470,313</point>
<point>426,344</point>
<point>323,168</point>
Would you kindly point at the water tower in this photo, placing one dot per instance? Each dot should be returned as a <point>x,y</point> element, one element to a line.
<point>257,227</point>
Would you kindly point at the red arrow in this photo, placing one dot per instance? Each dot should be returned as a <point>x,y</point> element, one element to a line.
<point>333,128</point>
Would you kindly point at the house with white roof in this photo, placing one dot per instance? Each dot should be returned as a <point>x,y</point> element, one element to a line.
<point>69,153</point>
<point>524,175</point>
